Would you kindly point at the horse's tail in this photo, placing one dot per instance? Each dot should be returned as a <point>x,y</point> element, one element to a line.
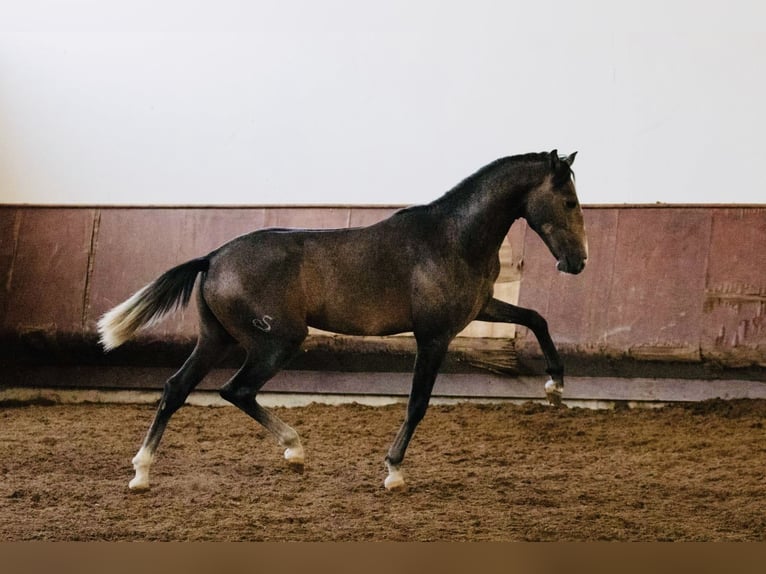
<point>148,305</point>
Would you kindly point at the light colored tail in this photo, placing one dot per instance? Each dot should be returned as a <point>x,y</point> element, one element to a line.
<point>148,305</point>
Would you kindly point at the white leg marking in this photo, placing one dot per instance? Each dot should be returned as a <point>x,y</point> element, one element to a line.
<point>141,463</point>
<point>395,479</point>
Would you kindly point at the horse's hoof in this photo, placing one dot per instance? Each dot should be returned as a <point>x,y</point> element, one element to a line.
<point>554,393</point>
<point>395,485</point>
<point>554,399</point>
<point>395,481</point>
<point>138,485</point>
<point>294,457</point>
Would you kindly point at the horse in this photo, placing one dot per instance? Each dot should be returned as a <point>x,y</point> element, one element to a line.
<point>427,269</point>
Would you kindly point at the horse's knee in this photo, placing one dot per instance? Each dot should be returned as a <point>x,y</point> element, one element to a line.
<point>535,321</point>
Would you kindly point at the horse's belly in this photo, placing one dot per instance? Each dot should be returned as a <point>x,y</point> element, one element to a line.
<point>361,318</point>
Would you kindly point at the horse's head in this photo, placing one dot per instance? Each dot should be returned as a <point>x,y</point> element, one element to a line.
<point>553,211</point>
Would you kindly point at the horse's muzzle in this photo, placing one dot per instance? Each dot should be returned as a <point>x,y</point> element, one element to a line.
<point>571,265</point>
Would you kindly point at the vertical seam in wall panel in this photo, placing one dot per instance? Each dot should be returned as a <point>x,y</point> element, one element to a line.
<point>89,271</point>
<point>607,322</point>
<point>706,283</point>
<point>16,233</point>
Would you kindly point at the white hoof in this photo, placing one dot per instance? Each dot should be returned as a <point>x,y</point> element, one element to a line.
<point>554,391</point>
<point>551,386</point>
<point>295,457</point>
<point>394,480</point>
<point>139,483</point>
<point>141,463</point>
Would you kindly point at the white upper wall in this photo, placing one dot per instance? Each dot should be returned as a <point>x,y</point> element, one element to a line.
<point>354,102</point>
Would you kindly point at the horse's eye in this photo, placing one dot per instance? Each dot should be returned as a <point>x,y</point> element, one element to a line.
<point>571,203</point>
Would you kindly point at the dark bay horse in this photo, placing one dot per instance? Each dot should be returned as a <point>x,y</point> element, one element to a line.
<point>428,269</point>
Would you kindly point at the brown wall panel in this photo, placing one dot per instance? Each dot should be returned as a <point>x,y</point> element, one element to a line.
<point>206,229</point>
<point>46,277</point>
<point>734,317</point>
<point>658,282</point>
<point>10,219</point>
<point>361,216</point>
<point>322,218</point>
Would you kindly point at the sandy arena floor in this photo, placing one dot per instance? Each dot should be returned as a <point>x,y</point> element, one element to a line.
<point>475,472</point>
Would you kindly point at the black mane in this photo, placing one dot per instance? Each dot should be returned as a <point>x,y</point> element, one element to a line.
<point>470,183</point>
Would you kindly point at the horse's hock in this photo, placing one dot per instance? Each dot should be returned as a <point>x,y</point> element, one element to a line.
<point>671,292</point>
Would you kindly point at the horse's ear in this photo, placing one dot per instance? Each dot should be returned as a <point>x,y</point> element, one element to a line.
<point>570,159</point>
<point>555,159</point>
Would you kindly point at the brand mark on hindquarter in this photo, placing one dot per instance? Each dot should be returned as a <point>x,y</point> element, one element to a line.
<point>263,323</point>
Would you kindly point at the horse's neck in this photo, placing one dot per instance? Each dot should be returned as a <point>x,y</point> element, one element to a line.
<point>481,216</point>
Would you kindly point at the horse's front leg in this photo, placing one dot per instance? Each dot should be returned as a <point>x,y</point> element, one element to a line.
<point>429,358</point>
<point>497,311</point>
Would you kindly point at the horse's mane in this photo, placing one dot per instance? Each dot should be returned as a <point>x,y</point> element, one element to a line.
<point>469,185</point>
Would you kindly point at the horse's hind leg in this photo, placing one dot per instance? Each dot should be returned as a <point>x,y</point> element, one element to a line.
<point>177,388</point>
<point>262,364</point>
<point>211,345</point>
